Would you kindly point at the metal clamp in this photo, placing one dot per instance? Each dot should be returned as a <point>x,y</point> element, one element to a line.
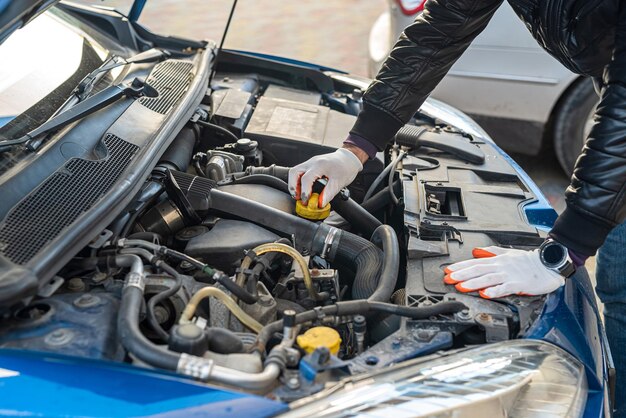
<point>134,279</point>
<point>328,242</point>
<point>197,367</point>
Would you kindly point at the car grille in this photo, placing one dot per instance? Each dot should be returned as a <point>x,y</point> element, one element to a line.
<point>71,191</point>
<point>171,79</point>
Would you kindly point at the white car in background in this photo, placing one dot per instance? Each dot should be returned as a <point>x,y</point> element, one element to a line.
<point>524,98</point>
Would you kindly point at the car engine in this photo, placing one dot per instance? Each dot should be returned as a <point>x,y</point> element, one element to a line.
<point>211,273</point>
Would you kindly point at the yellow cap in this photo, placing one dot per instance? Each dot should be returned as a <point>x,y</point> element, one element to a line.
<point>311,210</point>
<point>320,337</point>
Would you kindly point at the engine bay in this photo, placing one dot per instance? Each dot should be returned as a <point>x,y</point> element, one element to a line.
<point>210,272</point>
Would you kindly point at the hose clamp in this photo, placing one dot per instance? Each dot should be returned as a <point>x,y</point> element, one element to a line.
<point>134,279</point>
<point>328,242</point>
<point>194,366</point>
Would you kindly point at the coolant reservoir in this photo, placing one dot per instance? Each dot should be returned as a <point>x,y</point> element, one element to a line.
<point>311,211</point>
<point>320,337</point>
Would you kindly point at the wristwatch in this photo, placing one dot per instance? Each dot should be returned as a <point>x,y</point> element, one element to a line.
<point>555,256</point>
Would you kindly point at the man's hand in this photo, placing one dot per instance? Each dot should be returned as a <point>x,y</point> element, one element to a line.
<point>496,272</point>
<point>339,168</point>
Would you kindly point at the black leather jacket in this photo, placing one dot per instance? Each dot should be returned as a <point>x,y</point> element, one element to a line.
<point>587,36</point>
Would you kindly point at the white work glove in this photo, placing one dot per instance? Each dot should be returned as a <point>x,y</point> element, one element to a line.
<point>340,168</point>
<point>498,272</point>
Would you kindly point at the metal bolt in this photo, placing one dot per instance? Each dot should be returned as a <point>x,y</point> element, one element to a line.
<point>99,277</point>
<point>161,314</point>
<point>75,285</point>
<point>464,314</point>
<point>315,272</point>
<point>59,337</point>
<point>484,316</point>
<point>87,301</point>
<point>293,383</point>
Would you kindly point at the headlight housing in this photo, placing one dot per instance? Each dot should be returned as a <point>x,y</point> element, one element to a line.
<point>514,379</point>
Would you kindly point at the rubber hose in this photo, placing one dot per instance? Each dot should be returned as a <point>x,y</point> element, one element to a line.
<point>178,154</point>
<point>366,260</point>
<point>218,128</point>
<point>359,218</point>
<point>133,340</point>
<point>223,341</point>
<point>391,263</point>
<point>238,291</point>
<point>159,297</point>
<point>358,307</point>
<point>272,170</point>
<point>348,209</point>
<point>265,180</point>
<point>381,199</point>
<point>379,178</point>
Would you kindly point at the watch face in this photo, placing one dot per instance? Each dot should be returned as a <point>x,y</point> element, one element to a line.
<point>553,254</point>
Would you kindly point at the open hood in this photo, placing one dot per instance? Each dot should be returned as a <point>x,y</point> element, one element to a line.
<point>15,14</point>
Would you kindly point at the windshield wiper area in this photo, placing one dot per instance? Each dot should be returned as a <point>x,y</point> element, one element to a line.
<point>33,139</point>
<point>83,89</point>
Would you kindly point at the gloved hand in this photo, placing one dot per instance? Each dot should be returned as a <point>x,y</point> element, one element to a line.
<point>339,168</point>
<point>499,272</point>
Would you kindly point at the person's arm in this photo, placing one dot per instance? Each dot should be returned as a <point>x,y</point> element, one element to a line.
<point>422,56</point>
<point>596,197</point>
<point>419,60</point>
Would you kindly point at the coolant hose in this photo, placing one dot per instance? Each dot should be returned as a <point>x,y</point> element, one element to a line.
<point>232,306</point>
<point>360,219</point>
<point>357,307</point>
<point>366,260</point>
<point>128,319</point>
<point>391,263</point>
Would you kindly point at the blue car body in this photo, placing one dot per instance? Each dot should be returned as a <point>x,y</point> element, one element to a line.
<point>43,384</point>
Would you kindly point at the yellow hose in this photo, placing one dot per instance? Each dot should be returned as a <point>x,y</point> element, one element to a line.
<point>232,306</point>
<point>293,253</point>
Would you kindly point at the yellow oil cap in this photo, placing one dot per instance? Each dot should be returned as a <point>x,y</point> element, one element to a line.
<point>311,210</point>
<point>320,337</point>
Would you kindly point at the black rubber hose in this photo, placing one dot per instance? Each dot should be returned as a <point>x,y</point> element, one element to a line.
<point>273,170</point>
<point>223,341</point>
<point>263,179</point>
<point>366,259</point>
<point>268,217</point>
<point>358,307</point>
<point>220,129</point>
<point>391,263</point>
<point>131,337</point>
<point>394,165</point>
<point>381,199</point>
<point>348,209</point>
<point>237,291</point>
<point>359,218</point>
<point>178,154</point>
<point>159,297</point>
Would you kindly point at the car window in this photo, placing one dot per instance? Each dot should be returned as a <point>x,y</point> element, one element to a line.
<point>41,65</point>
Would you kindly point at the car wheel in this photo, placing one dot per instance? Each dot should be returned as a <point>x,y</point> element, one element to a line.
<point>573,123</point>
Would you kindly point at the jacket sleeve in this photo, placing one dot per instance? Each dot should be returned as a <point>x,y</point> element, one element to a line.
<point>596,196</point>
<point>419,60</point>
